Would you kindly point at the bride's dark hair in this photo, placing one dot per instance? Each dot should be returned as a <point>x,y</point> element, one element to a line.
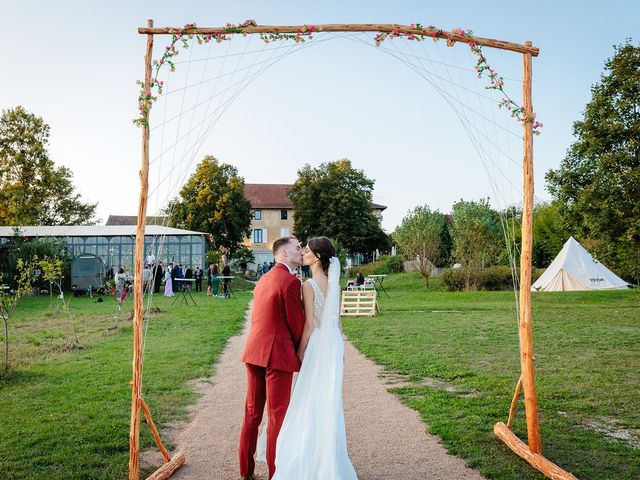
<point>324,250</point>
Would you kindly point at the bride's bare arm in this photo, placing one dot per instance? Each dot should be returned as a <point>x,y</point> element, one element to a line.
<point>308,296</point>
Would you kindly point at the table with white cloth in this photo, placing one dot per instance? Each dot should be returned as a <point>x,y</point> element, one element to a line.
<point>184,290</point>
<point>378,283</point>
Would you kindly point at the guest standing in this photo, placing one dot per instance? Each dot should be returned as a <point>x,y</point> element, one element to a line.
<point>168,282</point>
<point>226,272</point>
<point>214,281</point>
<point>188,275</point>
<point>198,276</point>
<point>158,273</point>
<point>175,273</point>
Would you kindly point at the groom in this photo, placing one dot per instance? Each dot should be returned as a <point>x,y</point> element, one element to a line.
<point>270,354</point>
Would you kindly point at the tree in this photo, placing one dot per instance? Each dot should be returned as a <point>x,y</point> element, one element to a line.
<point>598,182</point>
<point>9,301</point>
<point>477,235</point>
<point>334,200</point>
<point>420,237</point>
<point>242,256</point>
<point>33,191</point>
<point>213,257</point>
<point>549,233</point>
<point>213,201</point>
<point>22,248</point>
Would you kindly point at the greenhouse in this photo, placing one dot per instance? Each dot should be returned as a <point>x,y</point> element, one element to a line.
<point>114,244</point>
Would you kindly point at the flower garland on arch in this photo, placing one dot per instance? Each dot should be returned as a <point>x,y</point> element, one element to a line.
<point>184,36</point>
<point>306,32</point>
<point>187,33</point>
<point>496,82</point>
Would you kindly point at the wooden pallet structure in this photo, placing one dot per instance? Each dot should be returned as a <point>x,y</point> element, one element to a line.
<point>359,303</point>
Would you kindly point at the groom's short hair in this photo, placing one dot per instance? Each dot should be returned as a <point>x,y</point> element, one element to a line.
<point>279,243</point>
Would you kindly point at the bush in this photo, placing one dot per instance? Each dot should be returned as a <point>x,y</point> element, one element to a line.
<point>495,278</point>
<point>452,279</point>
<point>492,279</point>
<point>391,264</point>
<point>385,265</point>
<point>366,269</point>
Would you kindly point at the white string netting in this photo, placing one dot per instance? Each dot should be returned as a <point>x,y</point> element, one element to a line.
<point>208,78</point>
<point>496,137</point>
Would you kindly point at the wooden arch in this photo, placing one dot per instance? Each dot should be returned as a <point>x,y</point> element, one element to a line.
<point>531,452</point>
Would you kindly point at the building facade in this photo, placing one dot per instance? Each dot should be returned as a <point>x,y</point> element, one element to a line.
<point>273,217</point>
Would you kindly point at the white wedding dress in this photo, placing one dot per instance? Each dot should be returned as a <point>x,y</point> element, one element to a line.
<point>312,443</point>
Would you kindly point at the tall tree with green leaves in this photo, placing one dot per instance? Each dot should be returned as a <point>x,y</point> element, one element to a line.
<point>335,200</point>
<point>478,239</point>
<point>33,191</point>
<point>598,182</point>
<point>549,233</point>
<point>213,201</point>
<point>421,238</point>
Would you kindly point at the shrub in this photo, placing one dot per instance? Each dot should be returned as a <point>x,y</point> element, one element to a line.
<point>390,264</point>
<point>493,278</point>
<point>386,264</point>
<point>366,269</point>
<point>452,279</point>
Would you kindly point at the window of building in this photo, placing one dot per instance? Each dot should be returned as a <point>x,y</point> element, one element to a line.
<point>257,215</point>
<point>257,235</point>
<point>284,214</point>
<point>284,232</point>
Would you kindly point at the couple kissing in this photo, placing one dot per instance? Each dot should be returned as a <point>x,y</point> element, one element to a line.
<point>296,328</point>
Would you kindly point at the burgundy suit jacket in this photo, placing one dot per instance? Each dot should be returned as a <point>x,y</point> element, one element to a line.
<point>277,321</point>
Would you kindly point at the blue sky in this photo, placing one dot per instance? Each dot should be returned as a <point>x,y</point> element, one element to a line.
<point>75,64</point>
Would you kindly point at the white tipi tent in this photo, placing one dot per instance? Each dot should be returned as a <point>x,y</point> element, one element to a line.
<point>575,269</point>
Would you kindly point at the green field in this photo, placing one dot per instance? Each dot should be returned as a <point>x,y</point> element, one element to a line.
<point>459,351</point>
<point>64,410</point>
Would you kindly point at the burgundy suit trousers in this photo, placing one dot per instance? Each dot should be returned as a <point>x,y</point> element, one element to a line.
<point>273,387</point>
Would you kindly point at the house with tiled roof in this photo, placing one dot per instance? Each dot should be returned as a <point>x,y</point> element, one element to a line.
<point>273,216</point>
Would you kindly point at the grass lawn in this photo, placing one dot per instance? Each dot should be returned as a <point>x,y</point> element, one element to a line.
<point>459,351</point>
<point>65,410</point>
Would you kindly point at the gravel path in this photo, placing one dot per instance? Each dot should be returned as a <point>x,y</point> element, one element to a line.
<point>387,440</point>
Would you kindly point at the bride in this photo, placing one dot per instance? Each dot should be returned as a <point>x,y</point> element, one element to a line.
<point>312,442</point>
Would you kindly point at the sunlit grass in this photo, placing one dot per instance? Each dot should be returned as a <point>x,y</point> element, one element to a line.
<point>587,351</point>
<point>65,409</point>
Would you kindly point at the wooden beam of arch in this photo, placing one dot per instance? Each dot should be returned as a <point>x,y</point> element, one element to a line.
<point>354,27</point>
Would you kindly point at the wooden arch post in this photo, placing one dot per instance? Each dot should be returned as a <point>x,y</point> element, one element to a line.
<point>137,402</point>
<point>531,452</point>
